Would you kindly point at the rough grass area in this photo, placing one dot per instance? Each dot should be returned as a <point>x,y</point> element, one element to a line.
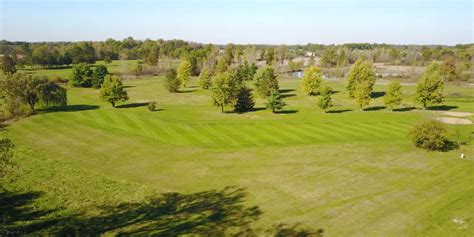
<point>189,169</point>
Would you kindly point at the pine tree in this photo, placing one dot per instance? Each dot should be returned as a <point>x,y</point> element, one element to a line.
<point>325,100</point>
<point>172,83</point>
<point>393,97</point>
<point>244,100</point>
<point>429,89</point>
<point>311,81</point>
<point>112,90</point>
<point>275,101</point>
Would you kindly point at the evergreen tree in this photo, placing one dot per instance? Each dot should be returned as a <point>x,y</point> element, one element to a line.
<point>205,79</point>
<point>275,101</point>
<point>184,72</point>
<point>429,89</point>
<point>244,100</point>
<point>100,71</point>
<point>172,83</point>
<point>362,94</point>
<point>393,97</point>
<point>112,90</point>
<point>325,100</point>
<point>360,71</point>
<point>266,81</point>
<point>311,81</point>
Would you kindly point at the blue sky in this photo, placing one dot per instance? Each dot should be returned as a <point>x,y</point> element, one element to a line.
<point>259,21</point>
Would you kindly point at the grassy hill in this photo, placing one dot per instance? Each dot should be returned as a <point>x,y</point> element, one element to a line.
<point>189,169</point>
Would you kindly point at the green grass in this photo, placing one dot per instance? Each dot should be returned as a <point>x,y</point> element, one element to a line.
<point>349,173</point>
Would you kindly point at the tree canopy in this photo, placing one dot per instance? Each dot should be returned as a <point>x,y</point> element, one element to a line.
<point>429,89</point>
<point>112,90</point>
<point>311,81</point>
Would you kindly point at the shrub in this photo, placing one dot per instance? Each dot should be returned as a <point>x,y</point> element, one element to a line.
<point>151,106</point>
<point>429,135</point>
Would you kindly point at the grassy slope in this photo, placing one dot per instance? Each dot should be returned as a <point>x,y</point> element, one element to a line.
<point>348,173</point>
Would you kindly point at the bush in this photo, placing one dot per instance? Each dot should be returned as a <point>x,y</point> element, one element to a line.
<point>430,135</point>
<point>151,106</point>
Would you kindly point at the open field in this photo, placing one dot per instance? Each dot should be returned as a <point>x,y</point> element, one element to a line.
<point>347,172</point>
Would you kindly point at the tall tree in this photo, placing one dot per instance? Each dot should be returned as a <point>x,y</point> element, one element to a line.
<point>244,101</point>
<point>184,72</point>
<point>8,65</point>
<point>112,90</point>
<point>100,71</point>
<point>205,79</point>
<point>225,88</point>
<point>275,101</point>
<point>325,100</point>
<point>362,94</point>
<point>172,83</point>
<point>429,89</point>
<point>311,81</point>
<point>359,72</point>
<point>266,81</point>
<point>393,97</point>
<point>270,56</point>
<point>81,75</point>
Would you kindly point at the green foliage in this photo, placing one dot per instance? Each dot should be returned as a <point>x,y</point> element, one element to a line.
<point>222,65</point>
<point>82,53</point>
<point>429,135</point>
<point>100,71</point>
<point>360,71</point>
<point>246,71</point>
<point>325,100</point>
<point>275,101</point>
<point>6,155</point>
<point>362,94</point>
<point>270,56</point>
<point>112,90</point>
<point>22,89</point>
<point>393,97</point>
<point>205,79</point>
<point>429,89</point>
<point>244,101</point>
<point>225,88</point>
<point>266,81</point>
<point>449,70</point>
<point>172,83</point>
<point>151,106</point>
<point>184,72</point>
<point>81,75</point>
<point>8,65</point>
<point>311,81</point>
<point>138,69</point>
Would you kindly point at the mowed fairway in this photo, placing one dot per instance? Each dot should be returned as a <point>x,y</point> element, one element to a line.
<point>348,172</point>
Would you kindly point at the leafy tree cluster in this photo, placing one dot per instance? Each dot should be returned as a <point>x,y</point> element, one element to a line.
<point>112,90</point>
<point>429,90</point>
<point>266,81</point>
<point>311,81</point>
<point>84,75</point>
<point>21,90</point>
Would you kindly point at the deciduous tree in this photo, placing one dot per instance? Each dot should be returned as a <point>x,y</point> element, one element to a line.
<point>98,75</point>
<point>360,71</point>
<point>362,94</point>
<point>112,90</point>
<point>429,89</point>
<point>311,81</point>
<point>266,81</point>
<point>8,65</point>
<point>393,97</point>
<point>325,100</point>
<point>184,72</point>
<point>205,79</point>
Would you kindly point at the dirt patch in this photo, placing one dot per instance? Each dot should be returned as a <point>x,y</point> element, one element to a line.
<point>449,120</point>
<point>458,114</point>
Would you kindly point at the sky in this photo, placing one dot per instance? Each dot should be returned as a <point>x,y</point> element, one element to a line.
<point>446,22</point>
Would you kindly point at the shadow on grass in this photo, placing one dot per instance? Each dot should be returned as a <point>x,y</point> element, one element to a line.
<point>374,108</point>
<point>293,111</point>
<point>210,213</point>
<point>377,94</point>
<point>128,87</point>
<point>339,111</point>
<point>404,109</point>
<point>69,108</point>
<point>442,107</point>
<point>287,95</point>
<point>285,90</point>
<point>131,105</point>
<point>186,91</point>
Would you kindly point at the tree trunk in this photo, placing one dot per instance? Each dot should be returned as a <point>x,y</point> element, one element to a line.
<point>113,104</point>
<point>222,108</point>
